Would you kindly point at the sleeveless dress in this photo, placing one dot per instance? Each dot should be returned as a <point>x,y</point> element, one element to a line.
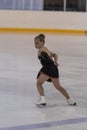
<point>48,66</point>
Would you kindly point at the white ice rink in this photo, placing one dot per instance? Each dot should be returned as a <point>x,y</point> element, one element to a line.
<point>19,66</point>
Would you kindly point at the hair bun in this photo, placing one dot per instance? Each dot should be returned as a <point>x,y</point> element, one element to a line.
<point>42,35</point>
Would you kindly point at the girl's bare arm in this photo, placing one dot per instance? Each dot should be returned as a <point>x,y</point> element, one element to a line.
<point>55,56</point>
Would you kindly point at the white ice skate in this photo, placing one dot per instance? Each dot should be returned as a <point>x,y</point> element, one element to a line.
<point>41,102</point>
<point>71,102</point>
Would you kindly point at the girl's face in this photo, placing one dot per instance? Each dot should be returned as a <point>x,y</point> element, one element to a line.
<point>38,44</point>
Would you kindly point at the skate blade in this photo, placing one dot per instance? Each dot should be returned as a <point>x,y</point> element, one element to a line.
<point>75,104</point>
<point>41,105</point>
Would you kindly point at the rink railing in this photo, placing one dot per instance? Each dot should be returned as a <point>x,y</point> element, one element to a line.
<point>37,30</point>
<point>43,22</point>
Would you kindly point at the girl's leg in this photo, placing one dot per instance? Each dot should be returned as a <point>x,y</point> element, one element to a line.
<point>57,85</point>
<point>42,78</point>
<point>63,91</point>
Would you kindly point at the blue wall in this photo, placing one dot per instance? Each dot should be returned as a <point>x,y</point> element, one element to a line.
<point>21,4</point>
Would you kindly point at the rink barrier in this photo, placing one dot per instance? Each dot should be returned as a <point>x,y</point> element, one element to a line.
<point>37,30</point>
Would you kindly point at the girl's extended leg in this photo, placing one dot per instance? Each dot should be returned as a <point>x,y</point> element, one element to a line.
<point>62,91</point>
<point>57,85</point>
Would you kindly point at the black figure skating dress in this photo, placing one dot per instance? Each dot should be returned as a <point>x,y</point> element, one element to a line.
<point>48,66</point>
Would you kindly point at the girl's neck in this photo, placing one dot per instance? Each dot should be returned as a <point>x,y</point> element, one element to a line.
<point>41,48</point>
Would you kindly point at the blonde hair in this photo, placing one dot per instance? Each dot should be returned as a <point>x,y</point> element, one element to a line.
<point>41,37</point>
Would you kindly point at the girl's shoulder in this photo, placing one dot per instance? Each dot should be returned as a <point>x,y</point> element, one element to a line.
<point>44,49</point>
<point>47,51</point>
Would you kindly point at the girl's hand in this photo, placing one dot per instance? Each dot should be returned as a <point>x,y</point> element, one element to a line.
<point>55,63</point>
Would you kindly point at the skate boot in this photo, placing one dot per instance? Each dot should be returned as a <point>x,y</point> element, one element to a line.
<point>41,102</point>
<point>71,102</point>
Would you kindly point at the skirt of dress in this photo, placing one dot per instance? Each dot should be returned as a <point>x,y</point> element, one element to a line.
<point>51,70</point>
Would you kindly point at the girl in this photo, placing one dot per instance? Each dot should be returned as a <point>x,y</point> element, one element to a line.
<point>49,71</point>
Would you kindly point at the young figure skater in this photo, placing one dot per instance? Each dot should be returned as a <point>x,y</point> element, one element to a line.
<point>49,71</point>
